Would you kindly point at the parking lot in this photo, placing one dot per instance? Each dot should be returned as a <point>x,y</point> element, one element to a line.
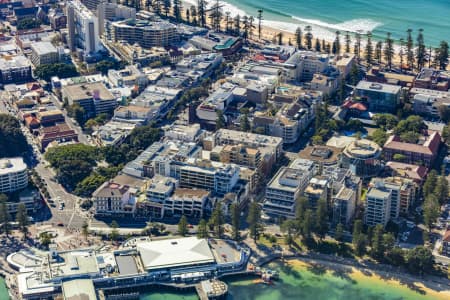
<point>224,251</point>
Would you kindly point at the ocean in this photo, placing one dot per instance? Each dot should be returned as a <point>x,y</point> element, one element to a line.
<point>328,16</point>
<point>301,281</point>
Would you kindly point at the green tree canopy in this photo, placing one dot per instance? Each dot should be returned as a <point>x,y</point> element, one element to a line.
<point>12,140</point>
<point>62,70</point>
<point>183,226</point>
<point>420,260</point>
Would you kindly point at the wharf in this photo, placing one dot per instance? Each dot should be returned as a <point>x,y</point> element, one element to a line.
<point>211,289</point>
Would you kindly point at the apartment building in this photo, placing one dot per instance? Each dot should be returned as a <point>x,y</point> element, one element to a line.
<point>317,188</point>
<point>378,206</point>
<point>302,65</point>
<point>187,202</point>
<point>286,186</point>
<point>93,97</point>
<point>237,154</point>
<point>145,33</point>
<point>15,69</point>
<point>362,157</point>
<point>83,29</point>
<point>403,193</point>
<point>380,97</point>
<point>211,176</point>
<point>43,53</point>
<point>13,174</point>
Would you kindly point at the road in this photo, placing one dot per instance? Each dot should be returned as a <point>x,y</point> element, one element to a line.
<point>71,216</point>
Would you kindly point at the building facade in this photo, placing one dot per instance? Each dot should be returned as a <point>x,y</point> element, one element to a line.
<point>13,175</point>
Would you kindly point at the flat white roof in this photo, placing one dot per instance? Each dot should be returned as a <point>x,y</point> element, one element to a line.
<point>175,252</point>
<point>12,165</point>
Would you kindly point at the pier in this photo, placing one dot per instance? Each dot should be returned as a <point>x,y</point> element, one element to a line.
<point>211,289</point>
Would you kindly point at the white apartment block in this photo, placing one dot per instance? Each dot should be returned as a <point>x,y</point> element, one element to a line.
<point>286,186</point>
<point>13,174</point>
<point>378,206</point>
<point>83,29</point>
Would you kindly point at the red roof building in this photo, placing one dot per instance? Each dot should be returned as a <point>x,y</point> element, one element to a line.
<point>446,243</point>
<point>416,173</point>
<point>424,152</point>
<point>60,133</point>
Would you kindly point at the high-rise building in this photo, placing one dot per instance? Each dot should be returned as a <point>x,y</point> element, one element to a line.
<point>378,205</point>
<point>83,29</point>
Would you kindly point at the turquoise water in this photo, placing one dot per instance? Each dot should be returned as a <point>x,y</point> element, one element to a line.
<point>378,16</point>
<point>308,283</point>
<point>3,290</point>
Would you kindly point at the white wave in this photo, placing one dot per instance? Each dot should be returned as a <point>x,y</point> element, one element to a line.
<point>355,25</point>
<point>320,29</point>
<point>226,7</point>
<point>317,32</point>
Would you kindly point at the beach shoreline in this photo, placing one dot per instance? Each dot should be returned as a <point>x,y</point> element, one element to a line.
<point>420,285</point>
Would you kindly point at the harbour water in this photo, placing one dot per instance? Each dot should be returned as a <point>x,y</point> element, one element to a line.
<point>302,281</point>
<point>3,290</point>
<point>328,16</point>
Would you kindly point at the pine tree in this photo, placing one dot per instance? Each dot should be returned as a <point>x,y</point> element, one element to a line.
<point>358,45</point>
<point>430,210</point>
<point>4,215</point>
<point>441,190</point>
<point>299,38</point>
<point>260,18</point>
<point>251,19</point>
<point>114,236</point>
<point>183,226</point>
<point>420,51</point>
<point>324,46</point>
<point>201,11</point>
<point>216,16</point>
<point>167,4</point>
<point>235,221</point>
<point>188,16</point>
<point>22,219</point>
<point>245,123</point>
<point>202,229</point>
<point>308,37</point>
<point>194,15</point>
<point>237,25</point>
<point>227,22</point>
<point>369,49</point>
<point>318,49</point>
<point>339,233</point>
<point>379,51</point>
<point>347,42</point>
<point>442,55</point>
<point>217,220</point>
<point>409,49</point>
<point>308,224</point>
<point>177,8</point>
<point>253,220</point>
<point>220,121</point>
<point>322,218</point>
<point>357,230</point>
<point>430,183</point>
<point>389,50</point>
<point>337,43</point>
<point>85,230</point>
<point>377,250</point>
<point>280,38</point>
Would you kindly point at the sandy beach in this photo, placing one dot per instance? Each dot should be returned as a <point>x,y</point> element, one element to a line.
<point>405,281</point>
